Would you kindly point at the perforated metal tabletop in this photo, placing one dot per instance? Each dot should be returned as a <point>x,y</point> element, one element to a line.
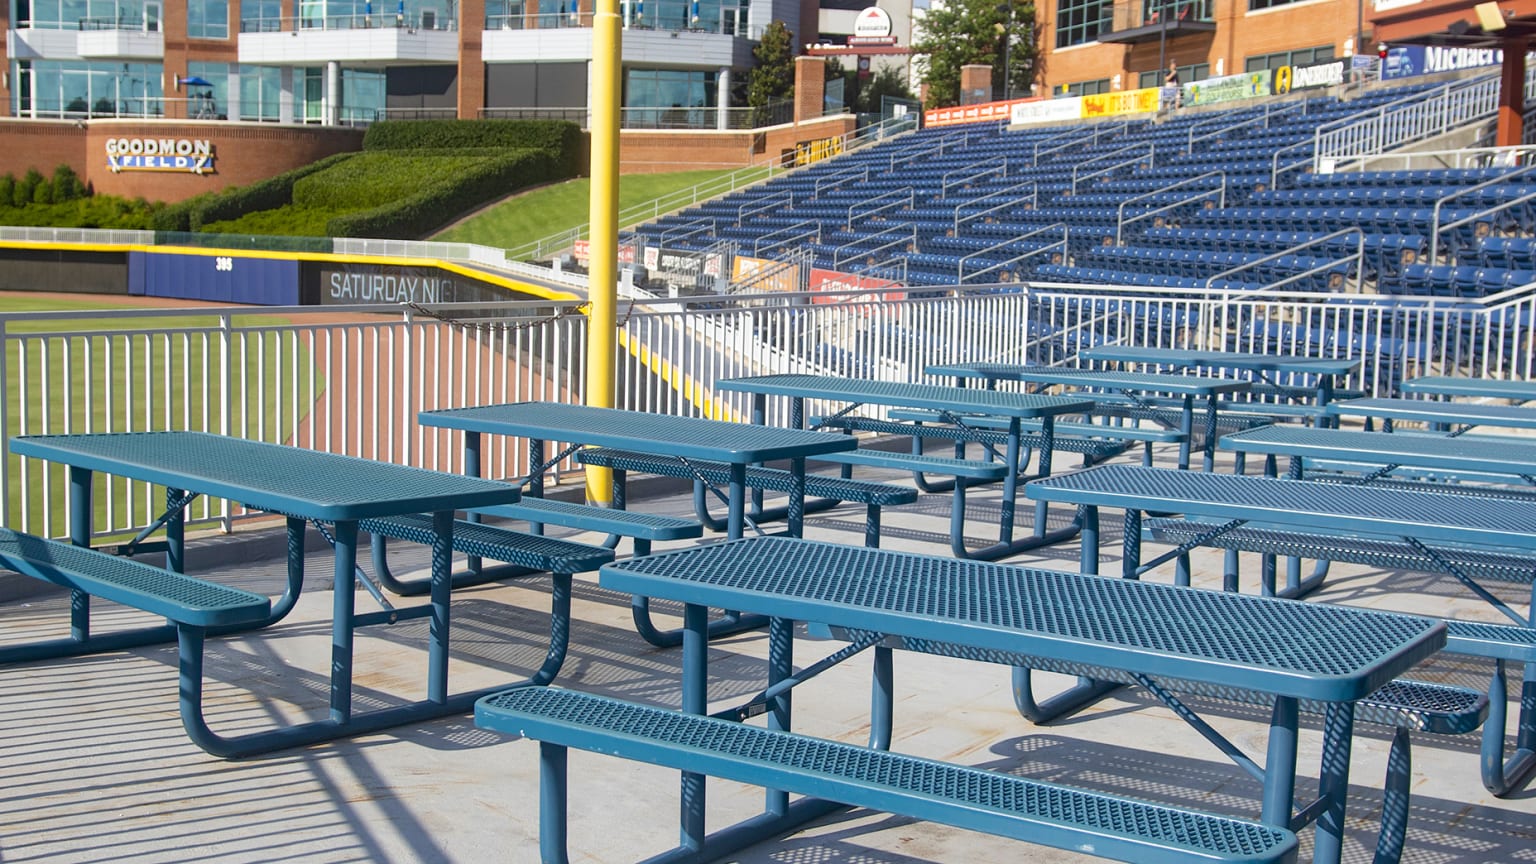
<point>1145,382</point>
<point>1481,388</point>
<point>274,477</point>
<point>1277,646</point>
<point>1433,411</point>
<point>1299,503</point>
<point>1510,456</point>
<point>1223,359</point>
<point>659,434</point>
<point>937,397</point>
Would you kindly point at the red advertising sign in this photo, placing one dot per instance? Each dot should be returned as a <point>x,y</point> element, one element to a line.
<point>831,280</point>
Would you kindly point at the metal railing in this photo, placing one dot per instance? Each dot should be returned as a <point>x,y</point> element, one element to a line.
<point>351,379</point>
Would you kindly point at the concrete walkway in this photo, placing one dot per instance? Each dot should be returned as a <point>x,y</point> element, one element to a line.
<point>94,766</point>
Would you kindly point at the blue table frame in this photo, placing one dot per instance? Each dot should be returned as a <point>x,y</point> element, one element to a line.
<point>1046,618</point>
<point>1133,384</point>
<point>303,485</point>
<point>953,403</point>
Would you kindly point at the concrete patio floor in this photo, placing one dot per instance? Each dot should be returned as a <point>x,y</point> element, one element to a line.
<point>94,765</point>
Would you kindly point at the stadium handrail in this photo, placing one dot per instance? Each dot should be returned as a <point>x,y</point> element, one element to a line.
<point>1010,200</point>
<point>1121,221</point>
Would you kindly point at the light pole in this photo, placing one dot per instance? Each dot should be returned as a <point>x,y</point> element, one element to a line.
<point>1007,25</point>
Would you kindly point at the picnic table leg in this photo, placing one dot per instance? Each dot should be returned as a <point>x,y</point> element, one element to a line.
<point>1088,553</point>
<point>553,799</point>
<point>695,701</point>
<point>343,606</point>
<point>1280,763</point>
<point>780,666</point>
<point>1210,431</point>
<point>1503,776</point>
<point>442,591</point>
<point>1186,429</point>
<point>1333,786</point>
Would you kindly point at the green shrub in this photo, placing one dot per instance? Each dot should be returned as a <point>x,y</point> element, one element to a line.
<point>26,187</point>
<point>292,221</point>
<point>561,138</point>
<point>375,179</point>
<point>435,206</point>
<point>67,185</point>
<point>267,194</point>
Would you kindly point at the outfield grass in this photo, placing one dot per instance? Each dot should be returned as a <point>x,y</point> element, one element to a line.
<point>549,210</point>
<point>93,357</point>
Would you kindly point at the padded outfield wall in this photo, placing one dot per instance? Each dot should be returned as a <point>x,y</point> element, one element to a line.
<point>250,278</point>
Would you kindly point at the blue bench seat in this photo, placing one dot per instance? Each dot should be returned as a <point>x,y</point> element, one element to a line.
<point>1048,814</point>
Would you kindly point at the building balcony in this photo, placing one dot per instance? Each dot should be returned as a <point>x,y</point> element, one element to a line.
<point>357,39</point>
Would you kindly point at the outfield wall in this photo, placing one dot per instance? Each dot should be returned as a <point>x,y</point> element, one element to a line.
<point>253,278</point>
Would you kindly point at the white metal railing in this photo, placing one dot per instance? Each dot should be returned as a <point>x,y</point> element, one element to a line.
<point>1411,119</point>
<point>352,379</point>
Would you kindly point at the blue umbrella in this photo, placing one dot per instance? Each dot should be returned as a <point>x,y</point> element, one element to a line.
<point>695,18</point>
<point>367,12</point>
<point>640,10</point>
<point>400,13</point>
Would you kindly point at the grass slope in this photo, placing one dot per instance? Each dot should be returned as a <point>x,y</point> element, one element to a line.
<point>561,207</point>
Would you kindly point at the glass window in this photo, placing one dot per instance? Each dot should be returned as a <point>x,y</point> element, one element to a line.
<point>207,19</point>
<point>261,16</point>
<point>1267,4</point>
<point>1080,21</point>
<point>1300,57</point>
<point>362,96</point>
<point>1085,88</point>
<point>1154,78</point>
<point>78,88</point>
<point>208,103</point>
<point>1155,11</point>
<point>669,98</point>
<point>261,92</point>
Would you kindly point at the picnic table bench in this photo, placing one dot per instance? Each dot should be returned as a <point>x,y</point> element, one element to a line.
<point>1266,514</point>
<point>988,612</point>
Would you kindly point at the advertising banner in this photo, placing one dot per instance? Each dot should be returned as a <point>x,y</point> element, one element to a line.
<point>988,111</point>
<point>337,284</point>
<point>760,274</point>
<point>1047,111</point>
<point>832,280</point>
<point>1405,60</point>
<point>581,250</point>
<point>1143,101</point>
<point>1228,88</point>
<point>1288,78</point>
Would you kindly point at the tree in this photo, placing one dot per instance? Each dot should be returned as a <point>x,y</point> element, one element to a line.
<point>964,32</point>
<point>773,73</point>
<point>862,93</point>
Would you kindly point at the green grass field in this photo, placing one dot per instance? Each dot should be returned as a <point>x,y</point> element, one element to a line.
<point>92,357</point>
<point>550,210</point>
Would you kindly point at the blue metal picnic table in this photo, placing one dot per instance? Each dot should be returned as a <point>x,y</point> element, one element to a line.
<point>1435,413</point>
<point>1030,616</point>
<point>951,402</point>
<point>1476,388</point>
<point>1133,384</point>
<point>738,444</point>
<point>682,438</point>
<point>1229,501</point>
<point>303,485</point>
<point>1273,373</point>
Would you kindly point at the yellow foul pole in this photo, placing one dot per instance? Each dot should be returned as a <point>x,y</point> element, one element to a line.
<point>603,275</point>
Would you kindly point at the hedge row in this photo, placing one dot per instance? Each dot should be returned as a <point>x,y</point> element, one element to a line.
<point>560,138</point>
<point>371,180</point>
<point>433,207</point>
<point>269,194</point>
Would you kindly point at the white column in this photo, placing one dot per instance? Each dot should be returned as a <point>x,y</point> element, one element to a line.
<point>333,93</point>
<point>723,99</point>
<point>287,97</point>
<point>232,94</point>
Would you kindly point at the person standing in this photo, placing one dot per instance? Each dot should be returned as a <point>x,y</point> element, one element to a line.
<point>1176,98</point>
